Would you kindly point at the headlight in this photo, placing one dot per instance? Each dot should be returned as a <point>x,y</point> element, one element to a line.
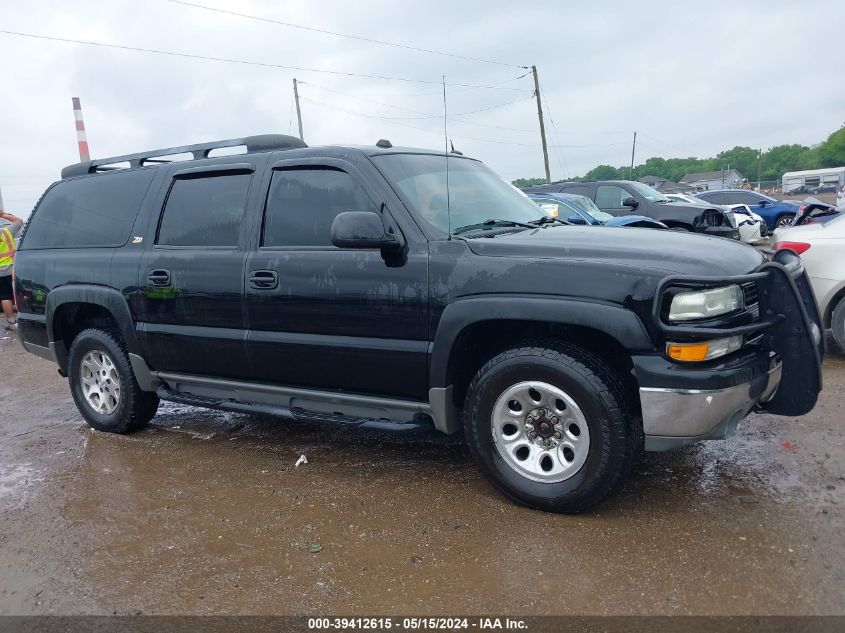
<point>702,304</point>
<point>706,350</point>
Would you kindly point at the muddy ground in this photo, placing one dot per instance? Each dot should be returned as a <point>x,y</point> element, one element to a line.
<point>206,513</point>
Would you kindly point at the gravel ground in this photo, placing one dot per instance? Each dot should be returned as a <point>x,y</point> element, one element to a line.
<point>206,513</point>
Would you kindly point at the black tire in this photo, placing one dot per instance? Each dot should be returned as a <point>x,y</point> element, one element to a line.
<point>134,409</point>
<point>784,220</point>
<point>615,429</point>
<point>837,324</point>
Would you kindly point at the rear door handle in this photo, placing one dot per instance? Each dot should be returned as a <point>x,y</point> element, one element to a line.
<point>263,279</point>
<point>159,277</point>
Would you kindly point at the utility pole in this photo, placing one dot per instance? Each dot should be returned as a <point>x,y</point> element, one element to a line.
<point>759,167</point>
<point>542,125</point>
<point>633,149</point>
<point>298,112</point>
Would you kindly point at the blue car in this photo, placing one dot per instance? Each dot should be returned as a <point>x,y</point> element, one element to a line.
<point>579,209</point>
<point>776,213</point>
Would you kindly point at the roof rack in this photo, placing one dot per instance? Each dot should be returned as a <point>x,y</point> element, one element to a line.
<point>254,144</point>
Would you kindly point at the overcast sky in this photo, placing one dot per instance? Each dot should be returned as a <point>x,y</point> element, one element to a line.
<point>691,78</point>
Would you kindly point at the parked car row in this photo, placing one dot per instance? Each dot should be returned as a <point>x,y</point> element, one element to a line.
<point>623,197</point>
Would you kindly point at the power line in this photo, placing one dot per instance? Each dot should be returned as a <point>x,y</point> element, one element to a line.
<point>426,115</point>
<point>241,61</point>
<point>668,144</point>
<point>360,38</point>
<point>430,131</point>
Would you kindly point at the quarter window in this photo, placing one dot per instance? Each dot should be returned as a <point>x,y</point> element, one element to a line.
<point>204,211</point>
<point>303,203</point>
<point>96,210</point>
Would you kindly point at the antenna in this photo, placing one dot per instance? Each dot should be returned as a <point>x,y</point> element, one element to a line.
<point>446,145</point>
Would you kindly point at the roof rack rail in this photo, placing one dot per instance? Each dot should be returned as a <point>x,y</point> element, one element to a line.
<point>254,144</point>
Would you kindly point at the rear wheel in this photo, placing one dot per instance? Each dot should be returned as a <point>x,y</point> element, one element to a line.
<point>837,324</point>
<point>784,221</point>
<point>550,426</point>
<point>103,386</point>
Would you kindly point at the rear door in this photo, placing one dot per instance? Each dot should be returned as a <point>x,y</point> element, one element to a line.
<point>190,305</point>
<point>328,318</point>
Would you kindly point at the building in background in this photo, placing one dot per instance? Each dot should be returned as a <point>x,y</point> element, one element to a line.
<point>811,180</point>
<point>664,185</point>
<point>722,179</point>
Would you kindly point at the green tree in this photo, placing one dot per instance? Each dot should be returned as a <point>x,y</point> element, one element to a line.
<point>604,172</point>
<point>527,182</point>
<point>831,153</point>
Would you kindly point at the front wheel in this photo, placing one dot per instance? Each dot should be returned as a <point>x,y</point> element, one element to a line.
<point>550,426</point>
<point>103,386</point>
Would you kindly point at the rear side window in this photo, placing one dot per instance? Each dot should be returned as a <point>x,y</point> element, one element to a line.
<point>90,211</point>
<point>204,211</point>
<point>303,203</point>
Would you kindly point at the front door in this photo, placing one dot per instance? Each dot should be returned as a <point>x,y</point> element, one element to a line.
<point>329,318</point>
<point>190,304</point>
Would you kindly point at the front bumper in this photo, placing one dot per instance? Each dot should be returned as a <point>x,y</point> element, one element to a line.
<point>683,403</point>
<point>673,417</point>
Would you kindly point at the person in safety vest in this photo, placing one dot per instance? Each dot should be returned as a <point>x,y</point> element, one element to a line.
<point>8,246</point>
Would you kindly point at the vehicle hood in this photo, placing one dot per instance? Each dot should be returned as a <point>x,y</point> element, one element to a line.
<point>672,252</point>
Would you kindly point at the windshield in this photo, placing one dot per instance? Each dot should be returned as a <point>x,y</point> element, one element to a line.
<point>476,193</point>
<point>652,195</point>
<point>589,207</point>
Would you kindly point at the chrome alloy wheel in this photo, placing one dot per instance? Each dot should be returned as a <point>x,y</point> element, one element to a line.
<point>100,382</point>
<point>540,431</point>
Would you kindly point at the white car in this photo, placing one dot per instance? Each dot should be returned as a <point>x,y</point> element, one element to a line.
<point>752,228</point>
<point>820,247</point>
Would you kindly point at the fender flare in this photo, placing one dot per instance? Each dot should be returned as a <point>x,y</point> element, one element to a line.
<point>105,297</point>
<point>619,323</point>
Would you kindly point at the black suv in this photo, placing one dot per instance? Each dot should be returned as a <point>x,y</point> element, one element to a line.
<point>353,285</point>
<point>624,197</point>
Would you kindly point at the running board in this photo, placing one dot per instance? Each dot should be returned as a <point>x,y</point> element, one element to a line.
<point>421,421</point>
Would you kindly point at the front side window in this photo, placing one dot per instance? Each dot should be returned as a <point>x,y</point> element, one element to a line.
<point>303,203</point>
<point>610,197</point>
<point>204,211</point>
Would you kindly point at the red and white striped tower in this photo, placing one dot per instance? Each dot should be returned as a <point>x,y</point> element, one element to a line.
<point>84,154</point>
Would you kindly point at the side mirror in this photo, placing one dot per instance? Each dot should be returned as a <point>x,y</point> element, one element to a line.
<point>362,229</point>
<point>764,203</point>
<point>630,202</point>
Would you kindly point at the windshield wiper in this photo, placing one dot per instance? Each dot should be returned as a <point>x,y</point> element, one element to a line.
<point>549,219</point>
<point>489,224</point>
